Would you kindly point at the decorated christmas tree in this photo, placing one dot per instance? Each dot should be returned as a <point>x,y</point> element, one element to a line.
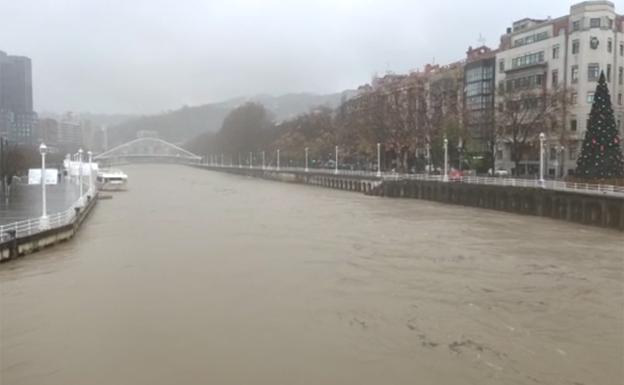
<point>601,155</point>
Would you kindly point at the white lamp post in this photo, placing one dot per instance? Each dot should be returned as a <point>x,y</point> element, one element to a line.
<point>263,160</point>
<point>80,174</point>
<point>43,149</point>
<point>250,160</point>
<point>278,159</point>
<point>428,158</point>
<point>542,137</point>
<point>378,160</point>
<point>90,154</point>
<point>336,169</point>
<point>306,160</point>
<point>239,161</point>
<point>445,177</point>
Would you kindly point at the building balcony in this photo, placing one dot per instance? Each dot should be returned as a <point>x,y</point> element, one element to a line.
<point>526,67</point>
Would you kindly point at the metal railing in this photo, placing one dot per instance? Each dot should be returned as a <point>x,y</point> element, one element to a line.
<point>584,188</point>
<point>36,225</point>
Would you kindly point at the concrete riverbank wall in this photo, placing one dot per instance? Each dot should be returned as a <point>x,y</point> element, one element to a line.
<point>590,209</point>
<point>20,246</point>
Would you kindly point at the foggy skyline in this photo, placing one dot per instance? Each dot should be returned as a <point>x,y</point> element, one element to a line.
<point>150,56</point>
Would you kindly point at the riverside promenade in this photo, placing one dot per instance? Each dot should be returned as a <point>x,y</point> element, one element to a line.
<point>33,232</point>
<point>596,205</point>
<point>24,201</point>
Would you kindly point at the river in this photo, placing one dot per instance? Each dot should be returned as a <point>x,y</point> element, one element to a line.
<point>196,277</point>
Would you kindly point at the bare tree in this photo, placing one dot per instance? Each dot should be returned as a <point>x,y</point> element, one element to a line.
<point>523,115</point>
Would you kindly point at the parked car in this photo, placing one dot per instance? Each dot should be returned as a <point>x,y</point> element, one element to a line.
<point>455,175</point>
<point>500,172</point>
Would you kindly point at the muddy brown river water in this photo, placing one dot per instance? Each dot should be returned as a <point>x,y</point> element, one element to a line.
<point>196,277</point>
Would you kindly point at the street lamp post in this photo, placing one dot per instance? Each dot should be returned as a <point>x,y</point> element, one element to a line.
<point>428,158</point>
<point>445,177</point>
<point>251,160</point>
<point>278,159</point>
<point>80,174</point>
<point>90,155</point>
<point>43,149</point>
<point>542,137</point>
<point>306,160</point>
<point>336,169</point>
<point>263,160</point>
<point>378,160</point>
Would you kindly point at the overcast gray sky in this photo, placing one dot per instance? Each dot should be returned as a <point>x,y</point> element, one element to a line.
<point>146,56</point>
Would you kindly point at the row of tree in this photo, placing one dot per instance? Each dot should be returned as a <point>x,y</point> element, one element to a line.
<point>411,120</point>
<point>15,161</point>
<point>411,135</point>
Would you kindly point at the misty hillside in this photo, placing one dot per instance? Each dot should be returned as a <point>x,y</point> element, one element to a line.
<point>174,126</point>
<point>290,105</point>
<point>189,122</point>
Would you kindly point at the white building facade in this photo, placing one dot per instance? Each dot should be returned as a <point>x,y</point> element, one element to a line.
<point>567,52</point>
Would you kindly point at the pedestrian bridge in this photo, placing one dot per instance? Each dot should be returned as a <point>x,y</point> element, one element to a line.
<point>146,150</point>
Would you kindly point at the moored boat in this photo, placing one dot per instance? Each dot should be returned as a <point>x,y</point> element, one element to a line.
<point>112,180</point>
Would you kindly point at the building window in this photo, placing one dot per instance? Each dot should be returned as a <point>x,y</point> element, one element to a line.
<point>620,75</point>
<point>621,49</point>
<point>590,97</point>
<point>573,124</point>
<point>620,99</point>
<point>572,149</point>
<point>610,45</point>
<point>593,72</point>
<point>609,23</point>
<point>576,45</point>
<point>555,52</point>
<point>501,66</point>
<point>574,76</point>
<point>573,98</point>
<point>594,22</point>
<point>608,72</point>
<point>531,39</point>
<point>553,153</point>
<point>529,59</point>
<point>576,25</point>
<point>525,82</point>
<point>555,78</point>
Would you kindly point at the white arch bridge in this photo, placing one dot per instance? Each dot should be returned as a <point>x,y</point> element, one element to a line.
<point>147,150</point>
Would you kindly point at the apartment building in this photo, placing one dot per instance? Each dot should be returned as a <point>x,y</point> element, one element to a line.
<point>479,92</point>
<point>17,118</point>
<point>567,52</point>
